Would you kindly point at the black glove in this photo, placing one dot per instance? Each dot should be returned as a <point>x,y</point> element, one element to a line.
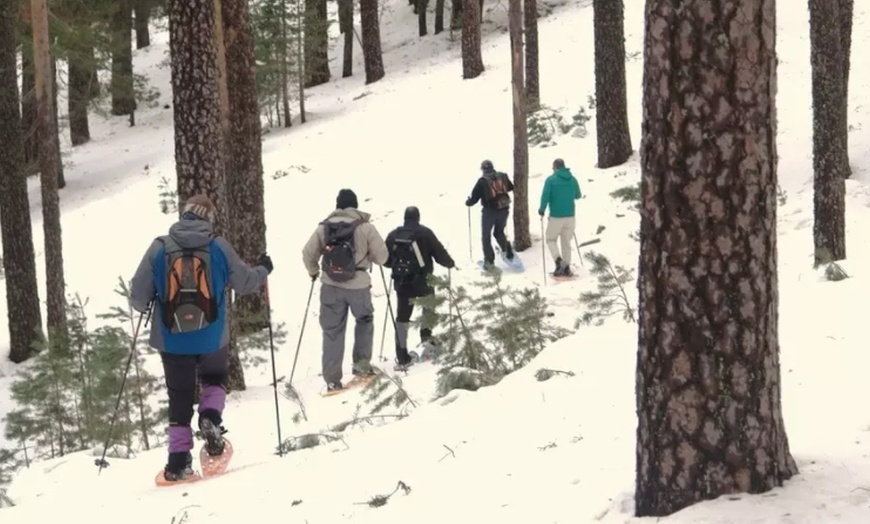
<point>468,202</point>
<point>266,262</point>
<point>541,213</point>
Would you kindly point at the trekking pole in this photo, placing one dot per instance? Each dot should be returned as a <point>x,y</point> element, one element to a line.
<point>389,302</point>
<point>101,462</point>
<point>274,373</point>
<point>302,331</point>
<point>384,330</point>
<point>470,255</point>
<point>544,250</point>
<point>579,254</point>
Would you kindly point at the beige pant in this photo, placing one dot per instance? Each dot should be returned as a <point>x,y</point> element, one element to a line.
<point>560,229</point>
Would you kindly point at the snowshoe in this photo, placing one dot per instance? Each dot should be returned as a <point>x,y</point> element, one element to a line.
<point>213,436</point>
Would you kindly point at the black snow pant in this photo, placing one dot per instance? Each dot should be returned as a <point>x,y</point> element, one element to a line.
<point>492,224</point>
<point>404,309</point>
<point>180,372</point>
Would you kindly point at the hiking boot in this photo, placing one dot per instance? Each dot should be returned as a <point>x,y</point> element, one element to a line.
<point>403,366</point>
<point>509,252</point>
<point>363,369</point>
<point>334,386</point>
<point>213,435</point>
<point>179,466</point>
<point>560,269</point>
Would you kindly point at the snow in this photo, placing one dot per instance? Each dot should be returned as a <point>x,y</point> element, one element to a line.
<point>561,450</point>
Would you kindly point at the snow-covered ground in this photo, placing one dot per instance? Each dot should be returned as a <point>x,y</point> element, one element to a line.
<point>522,451</point>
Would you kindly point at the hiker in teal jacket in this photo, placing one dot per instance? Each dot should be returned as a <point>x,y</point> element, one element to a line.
<point>561,189</point>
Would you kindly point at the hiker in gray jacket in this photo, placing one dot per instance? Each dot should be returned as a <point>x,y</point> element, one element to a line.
<point>341,251</point>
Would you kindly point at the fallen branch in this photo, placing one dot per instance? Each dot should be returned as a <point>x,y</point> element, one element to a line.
<point>449,453</point>
<point>546,374</point>
<point>381,500</point>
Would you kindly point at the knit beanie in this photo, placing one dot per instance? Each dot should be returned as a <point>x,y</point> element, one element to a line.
<point>412,214</point>
<point>346,198</point>
<point>200,206</point>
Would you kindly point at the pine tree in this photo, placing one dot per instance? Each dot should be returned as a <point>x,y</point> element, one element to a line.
<point>522,235</point>
<point>373,59</point>
<point>611,115</point>
<point>533,77</point>
<point>472,59</point>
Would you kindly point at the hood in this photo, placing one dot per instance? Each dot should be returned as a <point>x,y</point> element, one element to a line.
<point>191,233</point>
<point>349,214</point>
<point>412,216</point>
<point>564,173</point>
<point>489,175</point>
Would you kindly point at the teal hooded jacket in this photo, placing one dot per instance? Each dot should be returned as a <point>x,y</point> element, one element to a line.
<point>561,189</point>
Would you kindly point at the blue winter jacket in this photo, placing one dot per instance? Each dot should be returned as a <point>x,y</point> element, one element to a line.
<point>227,270</point>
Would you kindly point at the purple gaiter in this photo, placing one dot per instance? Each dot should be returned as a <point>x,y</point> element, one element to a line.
<point>213,397</point>
<point>180,439</point>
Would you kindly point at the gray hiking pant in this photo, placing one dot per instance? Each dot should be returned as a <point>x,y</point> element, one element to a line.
<point>560,229</point>
<point>334,305</point>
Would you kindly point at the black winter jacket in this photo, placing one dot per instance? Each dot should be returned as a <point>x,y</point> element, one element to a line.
<point>480,192</point>
<point>430,249</point>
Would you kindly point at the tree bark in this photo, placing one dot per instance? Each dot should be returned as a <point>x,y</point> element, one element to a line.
<point>522,235</point>
<point>472,57</point>
<point>244,176</point>
<point>221,60</point>
<point>123,93</point>
<point>142,14</point>
<point>439,16</point>
<point>611,115</point>
<point>373,60</point>
<point>28,96</point>
<point>285,67</point>
<point>61,180</point>
<point>829,132</point>
<point>49,158</point>
<point>79,84</point>
<point>847,7</point>
<point>420,6</point>
<point>345,25</point>
<point>316,43</point>
<point>708,378</point>
<point>19,259</point>
<point>533,78</point>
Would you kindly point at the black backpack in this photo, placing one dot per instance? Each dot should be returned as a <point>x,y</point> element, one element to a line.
<point>406,259</point>
<point>498,191</point>
<point>339,250</point>
<point>189,303</point>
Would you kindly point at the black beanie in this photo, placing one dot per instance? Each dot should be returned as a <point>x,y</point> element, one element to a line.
<point>346,198</point>
<point>412,214</point>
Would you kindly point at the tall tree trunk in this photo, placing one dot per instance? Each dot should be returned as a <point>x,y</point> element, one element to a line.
<point>371,40</point>
<point>421,6</point>
<point>300,61</point>
<point>142,14</point>
<point>123,93</point>
<point>439,16</point>
<point>244,176</point>
<point>611,113</point>
<point>94,87</point>
<point>221,60</point>
<point>49,157</point>
<point>708,378</point>
<point>19,259</point>
<point>522,235</point>
<point>829,132</point>
<point>472,58</point>
<point>78,82</point>
<point>61,180</point>
<point>345,25</point>
<point>28,97</point>
<point>456,14</point>
<point>316,43</point>
<point>285,68</point>
<point>533,78</point>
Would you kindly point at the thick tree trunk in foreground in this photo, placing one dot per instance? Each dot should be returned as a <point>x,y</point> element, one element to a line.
<point>371,40</point>
<point>19,259</point>
<point>830,160</point>
<point>611,113</point>
<point>708,376</point>
<point>472,58</point>
<point>49,158</point>
<point>522,235</point>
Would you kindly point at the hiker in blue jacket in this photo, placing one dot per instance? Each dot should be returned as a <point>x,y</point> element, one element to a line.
<point>561,189</point>
<point>184,277</point>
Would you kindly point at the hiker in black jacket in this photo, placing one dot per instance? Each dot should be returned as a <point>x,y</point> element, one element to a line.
<point>412,248</point>
<point>492,190</point>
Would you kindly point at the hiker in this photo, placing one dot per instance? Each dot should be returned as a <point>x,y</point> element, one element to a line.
<point>561,189</point>
<point>492,190</point>
<point>183,277</point>
<point>346,244</point>
<point>412,248</point>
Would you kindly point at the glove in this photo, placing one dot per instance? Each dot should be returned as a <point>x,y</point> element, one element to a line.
<point>266,262</point>
<point>314,275</point>
<point>541,213</point>
<point>468,202</point>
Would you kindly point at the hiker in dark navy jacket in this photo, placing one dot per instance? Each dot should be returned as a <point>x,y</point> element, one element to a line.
<point>492,190</point>
<point>192,335</point>
<point>412,248</point>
